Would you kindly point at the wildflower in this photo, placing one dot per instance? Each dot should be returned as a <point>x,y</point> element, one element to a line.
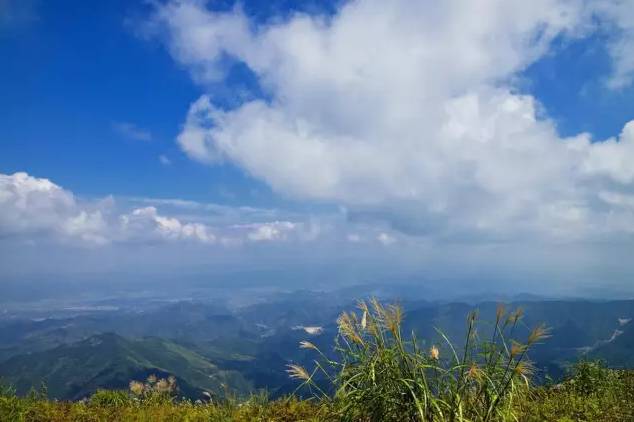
<point>297,372</point>
<point>151,379</point>
<point>136,388</point>
<point>434,353</point>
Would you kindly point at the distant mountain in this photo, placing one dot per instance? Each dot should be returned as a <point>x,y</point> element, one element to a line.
<point>181,321</point>
<point>76,370</point>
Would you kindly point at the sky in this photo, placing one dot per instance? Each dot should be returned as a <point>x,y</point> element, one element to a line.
<point>486,143</point>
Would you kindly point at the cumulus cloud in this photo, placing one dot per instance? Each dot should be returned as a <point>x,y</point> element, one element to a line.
<point>408,110</point>
<point>621,14</point>
<point>143,221</point>
<point>612,158</point>
<point>33,209</point>
<point>36,207</point>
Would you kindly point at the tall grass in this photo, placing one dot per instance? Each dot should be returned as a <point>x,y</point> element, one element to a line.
<point>378,374</point>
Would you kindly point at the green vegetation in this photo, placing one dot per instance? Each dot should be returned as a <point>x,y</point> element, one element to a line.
<point>562,403</point>
<point>592,392</point>
<point>109,361</point>
<point>377,373</point>
<point>117,406</point>
<point>381,375</point>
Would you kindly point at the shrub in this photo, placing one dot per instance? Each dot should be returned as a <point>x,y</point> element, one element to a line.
<point>591,377</point>
<point>591,392</point>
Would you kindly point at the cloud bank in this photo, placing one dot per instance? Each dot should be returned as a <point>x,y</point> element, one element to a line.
<point>408,112</point>
<point>47,232</point>
<point>35,209</point>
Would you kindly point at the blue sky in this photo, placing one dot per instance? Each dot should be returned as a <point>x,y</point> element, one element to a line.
<point>295,122</point>
<point>78,69</point>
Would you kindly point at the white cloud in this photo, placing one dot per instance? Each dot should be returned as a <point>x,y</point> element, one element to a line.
<point>613,157</point>
<point>194,139</point>
<point>201,38</point>
<point>168,237</point>
<point>33,209</point>
<point>277,230</point>
<point>89,227</point>
<point>620,13</point>
<point>143,221</point>
<point>408,109</point>
<point>37,207</point>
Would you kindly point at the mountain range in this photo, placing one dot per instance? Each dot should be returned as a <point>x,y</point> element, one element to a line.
<point>211,346</point>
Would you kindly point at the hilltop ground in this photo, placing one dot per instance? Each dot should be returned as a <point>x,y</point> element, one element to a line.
<point>565,403</point>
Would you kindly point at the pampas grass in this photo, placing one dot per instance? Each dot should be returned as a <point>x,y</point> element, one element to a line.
<point>379,375</point>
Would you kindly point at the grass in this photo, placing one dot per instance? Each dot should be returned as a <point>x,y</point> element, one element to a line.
<point>376,373</point>
<point>381,375</point>
<point>110,409</point>
<point>592,392</point>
